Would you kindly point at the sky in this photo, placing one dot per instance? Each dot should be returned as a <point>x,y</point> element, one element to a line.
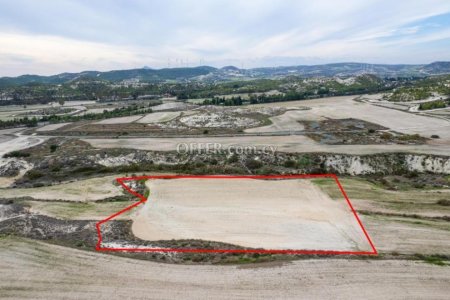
<point>53,36</point>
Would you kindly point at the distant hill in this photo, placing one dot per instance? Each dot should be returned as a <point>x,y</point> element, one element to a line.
<point>207,73</point>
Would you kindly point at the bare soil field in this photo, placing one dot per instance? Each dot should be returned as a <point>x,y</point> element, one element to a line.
<point>51,127</point>
<point>159,117</point>
<point>320,110</point>
<point>346,107</point>
<point>370,197</point>
<point>82,190</point>
<point>409,235</point>
<point>290,143</point>
<point>405,221</point>
<point>48,271</point>
<point>173,106</point>
<point>79,211</point>
<point>119,120</point>
<point>285,122</point>
<point>275,214</point>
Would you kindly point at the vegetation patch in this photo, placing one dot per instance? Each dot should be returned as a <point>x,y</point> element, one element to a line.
<point>436,259</point>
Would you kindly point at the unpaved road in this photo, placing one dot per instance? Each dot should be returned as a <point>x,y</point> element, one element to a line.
<point>10,143</point>
<point>270,214</point>
<point>36,270</point>
<point>290,143</point>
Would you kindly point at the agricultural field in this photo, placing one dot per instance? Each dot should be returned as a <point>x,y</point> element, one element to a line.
<point>280,214</point>
<point>60,200</point>
<point>225,149</point>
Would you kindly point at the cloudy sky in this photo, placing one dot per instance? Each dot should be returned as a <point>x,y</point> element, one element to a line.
<point>54,36</point>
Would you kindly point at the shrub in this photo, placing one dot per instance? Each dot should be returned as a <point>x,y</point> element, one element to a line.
<point>386,135</point>
<point>233,158</point>
<point>34,174</point>
<point>290,164</point>
<point>409,137</point>
<point>304,161</point>
<point>443,202</point>
<point>53,147</point>
<point>16,154</point>
<point>433,105</point>
<point>253,164</point>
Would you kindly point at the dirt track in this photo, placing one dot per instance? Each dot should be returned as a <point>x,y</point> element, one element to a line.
<point>290,143</point>
<point>40,271</point>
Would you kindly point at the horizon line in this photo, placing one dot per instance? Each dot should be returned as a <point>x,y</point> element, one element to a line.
<point>224,66</point>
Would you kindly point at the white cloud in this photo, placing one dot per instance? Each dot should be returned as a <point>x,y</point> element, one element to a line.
<point>51,37</point>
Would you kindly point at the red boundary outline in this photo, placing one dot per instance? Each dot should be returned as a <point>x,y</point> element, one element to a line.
<point>142,199</point>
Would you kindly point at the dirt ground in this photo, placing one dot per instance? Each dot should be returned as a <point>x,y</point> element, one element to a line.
<point>79,211</point>
<point>158,117</point>
<point>289,143</point>
<point>275,214</point>
<point>37,270</point>
<point>285,122</point>
<point>83,190</point>
<point>51,127</point>
<point>120,120</point>
<point>346,107</point>
<point>408,235</point>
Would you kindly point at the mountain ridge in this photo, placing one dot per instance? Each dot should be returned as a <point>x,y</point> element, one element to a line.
<point>148,74</point>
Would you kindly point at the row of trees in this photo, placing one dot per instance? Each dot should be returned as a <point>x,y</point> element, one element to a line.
<point>255,99</point>
<point>434,104</point>
<point>19,122</point>
<point>34,121</point>
<point>233,101</point>
<point>117,112</point>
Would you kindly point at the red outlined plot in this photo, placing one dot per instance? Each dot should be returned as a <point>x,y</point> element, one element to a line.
<point>142,200</point>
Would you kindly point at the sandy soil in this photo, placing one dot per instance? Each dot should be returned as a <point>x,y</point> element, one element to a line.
<point>51,127</point>
<point>158,117</point>
<point>83,190</point>
<point>41,271</point>
<point>120,120</point>
<point>282,214</point>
